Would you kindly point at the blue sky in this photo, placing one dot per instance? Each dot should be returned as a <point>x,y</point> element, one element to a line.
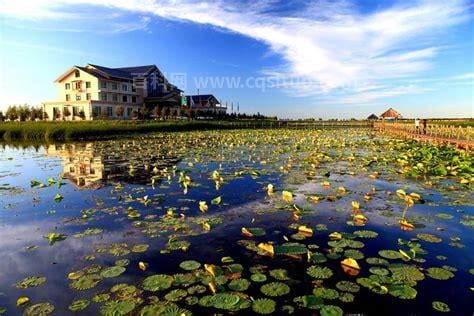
<point>292,59</point>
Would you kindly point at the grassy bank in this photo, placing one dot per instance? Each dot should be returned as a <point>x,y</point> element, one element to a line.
<point>65,131</point>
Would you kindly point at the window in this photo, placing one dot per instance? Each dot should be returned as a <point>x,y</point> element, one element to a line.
<point>77,74</point>
<point>115,98</point>
<point>124,98</point>
<point>68,97</point>
<point>88,84</point>
<point>133,88</point>
<point>67,86</point>
<point>75,111</point>
<point>78,97</point>
<point>88,96</point>
<point>103,96</point>
<point>114,86</point>
<point>109,111</point>
<point>134,99</point>
<point>77,85</point>
<point>97,111</point>
<point>103,84</point>
<point>129,111</point>
<point>124,87</point>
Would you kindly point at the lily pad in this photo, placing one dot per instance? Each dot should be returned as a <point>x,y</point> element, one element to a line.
<point>30,282</point>
<point>319,272</point>
<point>258,277</point>
<point>239,285</point>
<point>86,282</point>
<point>279,274</point>
<point>157,282</point>
<point>112,272</point>
<point>117,308</point>
<point>190,265</point>
<point>275,289</point>
<point>429,238</point>
<point>263,306</point>
<point>42,309</point>
<point>439,273</point>
<point>331,310</point>
<point>440,307</point>
<point>78,305</point>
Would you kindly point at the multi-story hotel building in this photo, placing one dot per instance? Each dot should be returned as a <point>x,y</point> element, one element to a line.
<point>97,92</point>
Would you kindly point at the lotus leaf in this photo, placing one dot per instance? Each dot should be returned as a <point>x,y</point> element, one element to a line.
<point>402,291</point>
<point>309,301</point>
<point>405,272</point>
<point>429,238</point>
<point>439,273</point>
<point>190,265</point>
<point>331,310</point>
<point>117,308</point>
<point>319,272</point>
<point>379,271</point>
<point>30,282</point>
<point>279,274</point>
<point>366,234</point>
<point>176,295</point>
<point>225,301</point>
<point>157,282</point>
<point>346,297</point>
<point>263,306</point>
<point>275,289</point>
<point>239,285</point>
<point>122,262</point>
<point>78,305</point>
<point>390,254</point>
<point>440,307</point>
<point>258,277</point>
<point>86,282</point>
<point>325,293</point>
<point>348,286</point>
<point>140,247</point>
<point>40,309</point>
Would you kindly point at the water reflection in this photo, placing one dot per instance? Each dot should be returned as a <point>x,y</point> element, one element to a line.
<point>88,165</point>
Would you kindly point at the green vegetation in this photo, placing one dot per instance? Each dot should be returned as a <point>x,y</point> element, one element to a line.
<point>65,131</point>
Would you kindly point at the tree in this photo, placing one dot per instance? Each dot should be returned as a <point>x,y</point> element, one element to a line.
<point>12,113</point>
<point>82,115</point>
<point>156,112</point>
<point>58,114</point>
<point>66,112</point>
<point>119,111</point>
<point>2,117</point>
<point>134,114</point>
<point>143,112</point>
<point>175,113</point>
<point>24,112</point>
<point>192,114</point>
<point>45,115</point>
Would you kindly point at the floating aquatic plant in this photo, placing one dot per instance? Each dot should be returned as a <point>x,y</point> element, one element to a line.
<point>86,282</point>
<point>239,285</point>
<point>440,307</point>
<point>263,306</point>
<point>157,282</point>
<point>78,305</point>
<point>117,308</point>
<point>42,309</point>
<point>275,289</point>
<point>112,272</point>
<point>30,282</point>
<point>439,273</point>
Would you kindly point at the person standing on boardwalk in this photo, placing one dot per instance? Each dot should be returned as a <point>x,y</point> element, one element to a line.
<point>423,123</point>
<point>417,125</point>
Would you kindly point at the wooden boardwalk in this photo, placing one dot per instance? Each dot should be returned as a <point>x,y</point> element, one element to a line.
<point>462,138</point>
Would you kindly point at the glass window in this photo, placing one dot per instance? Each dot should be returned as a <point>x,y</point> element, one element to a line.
<point>109,111</point>
<point>78,97</point>
<point>134,99</point>
<point>68,97</point>
<point>67,86</point>
<point>114,86</point>
<point>124,98</point>
<point>88,96</point>
<point>77,73</point>
<point>124,87</point>
<point>97,110</point>
<point>88,84</point>
<point>103,96</point>
<point>129,111</point>
<point>115,98</point>
<point>103,84</point>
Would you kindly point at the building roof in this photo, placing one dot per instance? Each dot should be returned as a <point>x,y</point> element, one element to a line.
<point>372,117</point>
<point>137,69</point>
<point>202,98</point>
<point>391,113</point>
<point>101,72</point>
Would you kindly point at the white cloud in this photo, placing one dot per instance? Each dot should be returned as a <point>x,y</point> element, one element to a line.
<point>332,44</point>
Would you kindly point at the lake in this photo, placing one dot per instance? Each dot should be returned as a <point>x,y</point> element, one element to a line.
<point>242,222</point>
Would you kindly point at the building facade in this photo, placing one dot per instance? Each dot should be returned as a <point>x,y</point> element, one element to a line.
<point>205,104</point>
<point>97,92</point>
